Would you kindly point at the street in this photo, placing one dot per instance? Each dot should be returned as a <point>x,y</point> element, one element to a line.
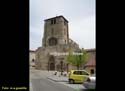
<point>39,82</point>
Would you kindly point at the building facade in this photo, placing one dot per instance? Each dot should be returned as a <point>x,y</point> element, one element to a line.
<point>90,65</point>
<point>55,41</point>
<point>32,59</point>
<point>55,44</point>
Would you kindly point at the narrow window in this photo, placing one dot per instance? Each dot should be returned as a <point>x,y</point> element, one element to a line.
<point>51,21</point>
<point>54,21</point>
<point>65,41</point>
<point>52,31</point>
<point>33,60</point>
<point>64,22</point>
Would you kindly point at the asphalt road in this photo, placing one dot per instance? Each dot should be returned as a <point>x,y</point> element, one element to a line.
<point>47,85</point>
<point>39,82</point>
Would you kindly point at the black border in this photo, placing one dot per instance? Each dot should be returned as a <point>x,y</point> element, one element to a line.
<point>15,44</point>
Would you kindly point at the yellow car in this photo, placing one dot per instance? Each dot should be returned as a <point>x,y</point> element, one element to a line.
<point>77,76</point>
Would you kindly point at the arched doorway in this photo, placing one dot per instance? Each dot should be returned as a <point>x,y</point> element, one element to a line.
<point>51,63</point>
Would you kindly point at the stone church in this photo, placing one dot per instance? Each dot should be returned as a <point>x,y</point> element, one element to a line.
<point>55,41</point>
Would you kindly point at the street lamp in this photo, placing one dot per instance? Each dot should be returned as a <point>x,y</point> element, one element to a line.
<point>48,66</point>
<point>61,63</point>
<point>67,67</point>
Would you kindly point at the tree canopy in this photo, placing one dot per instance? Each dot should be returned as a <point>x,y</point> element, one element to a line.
<point>77,58</point>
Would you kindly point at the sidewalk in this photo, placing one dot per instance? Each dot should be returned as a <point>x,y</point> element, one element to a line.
<point>58,78</point>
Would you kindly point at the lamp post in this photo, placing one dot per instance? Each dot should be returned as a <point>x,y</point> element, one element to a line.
<point>67,67</point>
<point>61,63</point>
<point>48,66</point>
<point>66,48</point>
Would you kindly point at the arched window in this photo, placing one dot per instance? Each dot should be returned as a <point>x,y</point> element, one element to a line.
<point>33,60</point>
<point>52,41</point>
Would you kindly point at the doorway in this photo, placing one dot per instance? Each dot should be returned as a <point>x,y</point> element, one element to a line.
<point>51,64</point>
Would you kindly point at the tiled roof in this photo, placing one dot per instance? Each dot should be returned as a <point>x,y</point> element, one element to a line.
<point>90,50</point>
<point>32,50</point>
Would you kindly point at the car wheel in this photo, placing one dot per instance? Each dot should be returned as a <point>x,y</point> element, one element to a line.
<point>71,81</point>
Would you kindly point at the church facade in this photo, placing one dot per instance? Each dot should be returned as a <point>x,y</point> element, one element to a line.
<point>55,43</point>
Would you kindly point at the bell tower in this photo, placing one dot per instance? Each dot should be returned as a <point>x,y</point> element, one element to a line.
<point>55,31</point>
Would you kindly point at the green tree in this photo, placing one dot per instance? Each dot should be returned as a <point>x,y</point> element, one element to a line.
<point>77,58</point>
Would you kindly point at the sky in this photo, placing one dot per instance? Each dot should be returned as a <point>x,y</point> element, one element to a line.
<point>80,14</point>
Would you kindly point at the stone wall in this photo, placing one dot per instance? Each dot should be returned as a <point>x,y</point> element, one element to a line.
<point>32,58</point>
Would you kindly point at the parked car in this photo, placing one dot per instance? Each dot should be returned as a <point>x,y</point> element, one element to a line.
<point>90,82</point>
<point>77,76</point>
